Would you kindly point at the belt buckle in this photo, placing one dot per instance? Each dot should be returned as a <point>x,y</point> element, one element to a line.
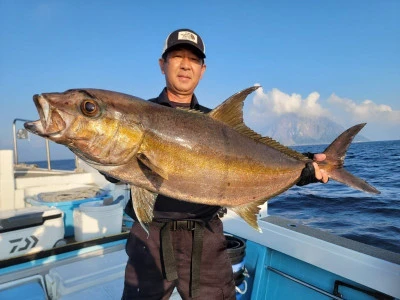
<point>185,225</point>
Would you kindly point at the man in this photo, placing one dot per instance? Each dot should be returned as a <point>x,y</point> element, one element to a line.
<point>186,247</point>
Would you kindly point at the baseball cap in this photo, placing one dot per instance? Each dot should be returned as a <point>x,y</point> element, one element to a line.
<point>185,37</point>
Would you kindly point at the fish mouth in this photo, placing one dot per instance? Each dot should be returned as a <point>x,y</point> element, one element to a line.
<point>50,123</point>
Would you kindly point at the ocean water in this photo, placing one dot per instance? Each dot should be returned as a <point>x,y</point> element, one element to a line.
<point>336,208</point>
<point>341,210</point>
<point>62,164</point>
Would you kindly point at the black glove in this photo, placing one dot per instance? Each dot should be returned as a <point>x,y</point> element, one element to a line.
<point>309,155</point>
<point>307,175</point>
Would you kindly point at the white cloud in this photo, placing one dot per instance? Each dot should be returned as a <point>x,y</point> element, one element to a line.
<point>366,111</point>
<point>383,121</point>
<point>276,103</point>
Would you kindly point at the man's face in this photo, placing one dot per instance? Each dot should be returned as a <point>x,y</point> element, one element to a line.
<point>183,70</point>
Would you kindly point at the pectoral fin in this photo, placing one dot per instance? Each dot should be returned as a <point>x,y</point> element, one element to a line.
<point>152,166</point>
<point>143,204</point>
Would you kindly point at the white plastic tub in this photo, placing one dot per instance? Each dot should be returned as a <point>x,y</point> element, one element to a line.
<point>94,220</point>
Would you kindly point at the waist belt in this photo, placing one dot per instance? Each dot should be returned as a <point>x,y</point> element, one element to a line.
<point>168,257</point>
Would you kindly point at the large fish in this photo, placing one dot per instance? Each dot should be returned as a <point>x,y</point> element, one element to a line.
<point>209,158</point>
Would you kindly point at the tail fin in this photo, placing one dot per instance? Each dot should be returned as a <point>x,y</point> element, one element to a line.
<point>335,155</point>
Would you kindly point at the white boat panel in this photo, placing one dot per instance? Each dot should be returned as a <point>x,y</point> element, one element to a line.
<point>373,267</point>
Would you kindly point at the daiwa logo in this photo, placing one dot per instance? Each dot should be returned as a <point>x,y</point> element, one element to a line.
<point>22,245</point>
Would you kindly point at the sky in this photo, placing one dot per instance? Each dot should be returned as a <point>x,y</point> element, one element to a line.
<point>338,59</point>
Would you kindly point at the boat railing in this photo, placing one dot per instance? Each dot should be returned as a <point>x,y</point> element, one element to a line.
<point>22,133</point>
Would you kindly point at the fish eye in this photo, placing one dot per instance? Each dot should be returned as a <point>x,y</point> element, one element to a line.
<point>90,108</point>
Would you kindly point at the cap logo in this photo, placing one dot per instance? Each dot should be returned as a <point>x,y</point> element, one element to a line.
<point>187,35</point>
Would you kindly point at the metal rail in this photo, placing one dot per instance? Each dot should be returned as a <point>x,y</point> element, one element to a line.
<point>310,286</point>
<point>15,143</point>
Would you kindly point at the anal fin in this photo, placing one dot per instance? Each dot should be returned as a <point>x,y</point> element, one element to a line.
<point>249,212</point>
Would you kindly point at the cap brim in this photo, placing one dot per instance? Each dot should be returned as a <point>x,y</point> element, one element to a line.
<point>186,45</point>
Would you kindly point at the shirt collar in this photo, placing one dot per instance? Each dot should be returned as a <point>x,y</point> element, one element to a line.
<point>163,99</point>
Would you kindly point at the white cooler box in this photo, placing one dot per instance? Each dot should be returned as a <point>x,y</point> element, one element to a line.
<point>29,230</point>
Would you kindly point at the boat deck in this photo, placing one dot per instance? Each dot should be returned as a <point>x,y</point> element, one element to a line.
<point>274,273</point>
<point>285,261</point>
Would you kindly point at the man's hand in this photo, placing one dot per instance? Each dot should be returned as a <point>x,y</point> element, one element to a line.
<point>319,173</point>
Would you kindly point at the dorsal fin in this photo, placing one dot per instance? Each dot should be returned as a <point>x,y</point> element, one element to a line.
<point>230,112</point>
